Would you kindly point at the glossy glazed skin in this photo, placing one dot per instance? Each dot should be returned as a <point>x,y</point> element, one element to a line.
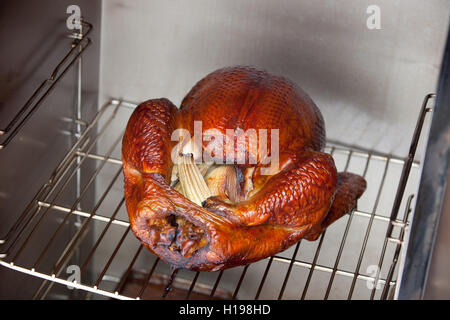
<point>298,200</point>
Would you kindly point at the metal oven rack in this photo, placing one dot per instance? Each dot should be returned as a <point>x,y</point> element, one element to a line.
<point>357,257</point>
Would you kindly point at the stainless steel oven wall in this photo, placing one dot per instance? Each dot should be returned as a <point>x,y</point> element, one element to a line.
<point>369,84</point>
<point>34,39</point>
<point>426,265</point>
<point>438,284</point>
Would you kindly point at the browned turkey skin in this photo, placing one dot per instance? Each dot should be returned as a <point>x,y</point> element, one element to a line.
<point>270,212</point>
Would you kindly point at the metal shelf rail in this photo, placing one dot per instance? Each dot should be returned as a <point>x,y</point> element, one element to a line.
<point>80,43</point>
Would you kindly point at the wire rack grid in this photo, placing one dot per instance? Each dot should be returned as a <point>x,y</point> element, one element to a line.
<point>356,258</point>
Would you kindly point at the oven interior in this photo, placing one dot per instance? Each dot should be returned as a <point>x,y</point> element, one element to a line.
<point>68,95</point>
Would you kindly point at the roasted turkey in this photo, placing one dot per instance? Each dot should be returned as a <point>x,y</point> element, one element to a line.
<point>251,210</point>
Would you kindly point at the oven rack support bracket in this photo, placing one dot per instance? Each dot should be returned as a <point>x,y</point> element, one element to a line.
<point>16,240</point>
<point>80,43</point>
<point>418,256</point>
